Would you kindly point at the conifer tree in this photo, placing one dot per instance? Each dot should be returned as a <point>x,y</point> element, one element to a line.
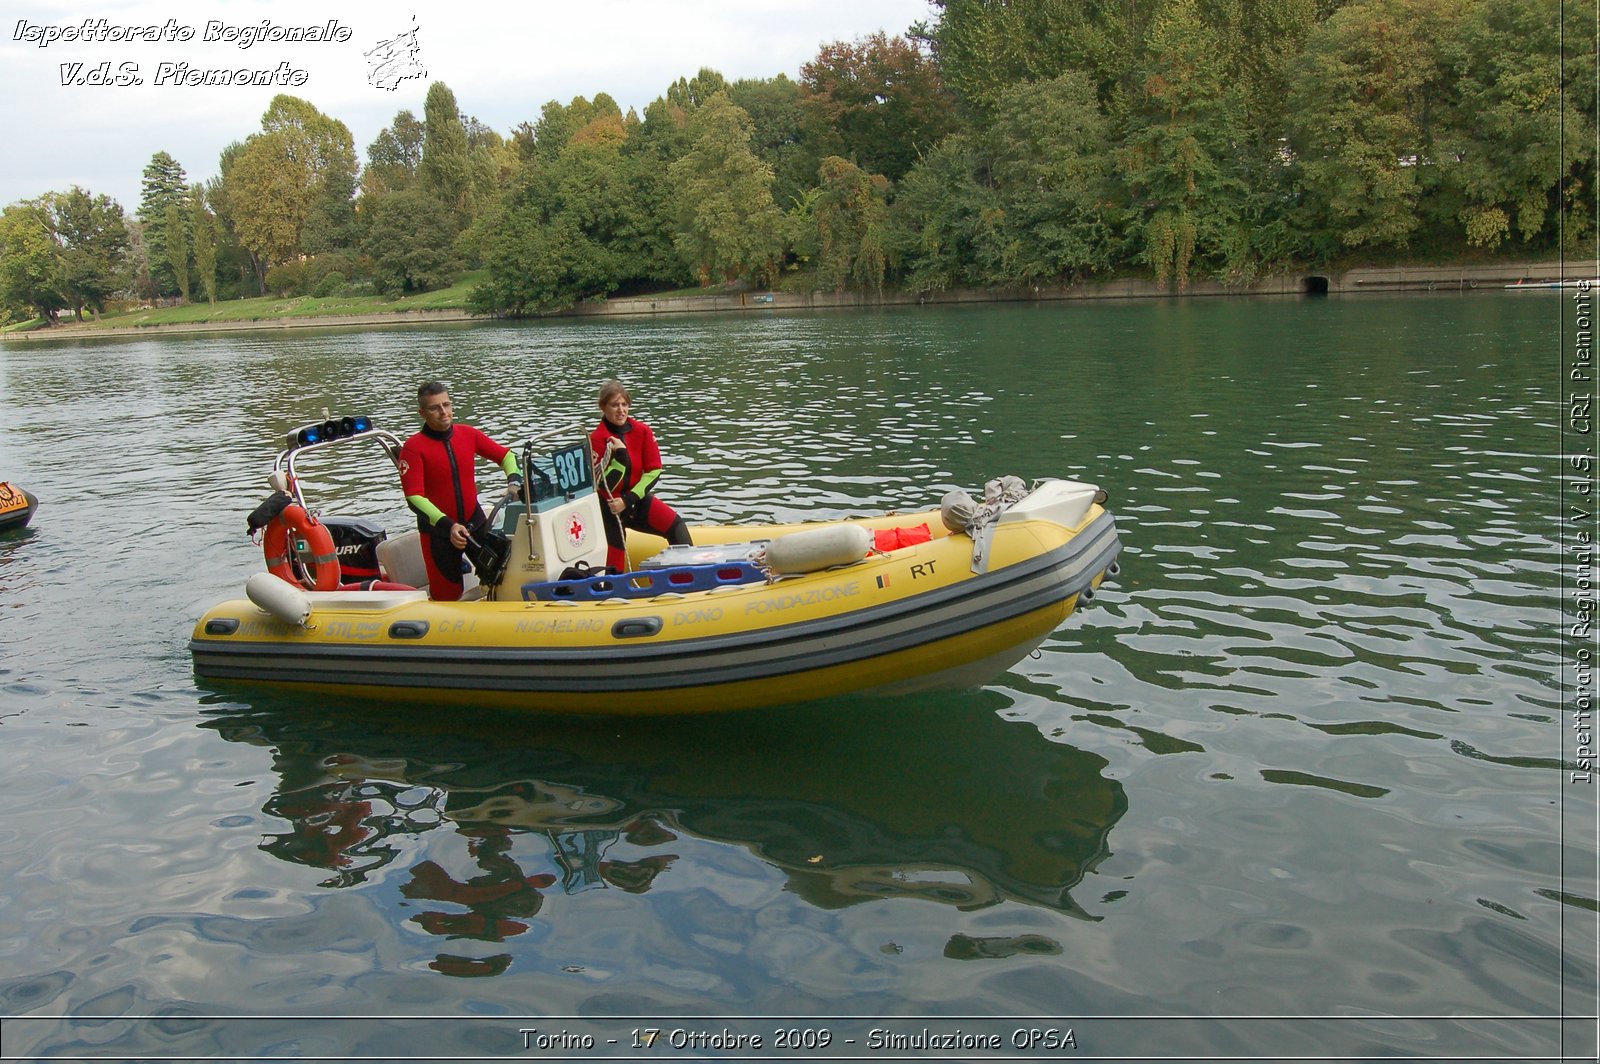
<point>164,184</point>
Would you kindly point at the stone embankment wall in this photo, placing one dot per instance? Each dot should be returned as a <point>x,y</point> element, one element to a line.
<point>1375,279</point>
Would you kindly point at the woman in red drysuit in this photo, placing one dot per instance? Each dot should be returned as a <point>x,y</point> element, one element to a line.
<point>629,464</point>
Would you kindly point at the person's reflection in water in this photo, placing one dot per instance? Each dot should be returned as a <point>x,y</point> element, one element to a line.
<point>497,902</point>
<point>343,826</point>
<point>328,827</point>
<point>582,857</point>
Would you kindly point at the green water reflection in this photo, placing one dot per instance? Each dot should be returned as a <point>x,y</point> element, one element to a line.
<point>938,800</point>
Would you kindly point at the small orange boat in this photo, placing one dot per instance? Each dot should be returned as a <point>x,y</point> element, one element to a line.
<point>16,506</point>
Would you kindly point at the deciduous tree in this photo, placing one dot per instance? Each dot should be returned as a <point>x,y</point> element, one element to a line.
<point>176,251</point>
<point>728,225</point>
<point>299,171</point>
<point>204,226</point>
<point>445,170</point>
<point>1048,153</point>
<point>1180,155</point>
<point>1028,199</point>
<point>985,46</point>
<point>92,235</point>
<point>30,273</point>
<point>877,102</point>
<point>691,94</point>
<point>578,227</point>
<point>777,133</point>
<point>1499,134</point>
<point>1360,106</point>
<point>394,156</point>
<point>942,213</point>
<point>411,243</point>
<point>851,214</point>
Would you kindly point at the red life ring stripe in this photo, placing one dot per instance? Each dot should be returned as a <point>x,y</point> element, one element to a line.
<point>322,565</point>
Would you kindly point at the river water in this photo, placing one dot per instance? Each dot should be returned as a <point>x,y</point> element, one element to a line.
<point>1303,782</point>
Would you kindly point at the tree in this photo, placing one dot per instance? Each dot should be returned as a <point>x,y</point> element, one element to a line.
<point>233,254</point>
<point>268,197</point>
<point>543,268</point>
<point>176,251</point>
<point>298,172</point>
<point>1048,151</point>
<point>1179,157</point>
<point>30,259</point>
<point>691,94</point>
<point>578,227</point>
<point>851,211</point>
<point>664,130</point>
<point>410,242</point>
<point>1362,97</point>
<point>92,237</point>
<point>445,169</point>
<point>1026,199</point>
<point>331,222</point>
<point>985,46</point>
<point>777,133</point>
<point>204,225</point>
<point>138,267</point>
<point>877,102</point>
<point>942,213</point>
<point>1499,142</point>
<point>546,139</point>
<point>492,164</point>
<point>727,222</point>
<point>164,184</point>
<point>394,156</point>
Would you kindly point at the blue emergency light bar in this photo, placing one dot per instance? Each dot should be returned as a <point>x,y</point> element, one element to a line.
<point>335,428</point>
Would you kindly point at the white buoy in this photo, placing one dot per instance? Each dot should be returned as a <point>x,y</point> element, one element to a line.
<point>280,598</point>
<point>818,548</point>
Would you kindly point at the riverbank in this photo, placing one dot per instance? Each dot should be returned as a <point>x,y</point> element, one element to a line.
<point>1490,277</point>
<point>90,330</point>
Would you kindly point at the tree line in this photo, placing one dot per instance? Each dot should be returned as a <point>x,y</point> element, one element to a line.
<point>1003,143</point>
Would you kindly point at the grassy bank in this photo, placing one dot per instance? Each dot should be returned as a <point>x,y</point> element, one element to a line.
<point>271,308</point>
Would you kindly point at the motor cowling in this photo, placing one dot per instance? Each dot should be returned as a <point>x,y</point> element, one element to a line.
<point>355,542</point>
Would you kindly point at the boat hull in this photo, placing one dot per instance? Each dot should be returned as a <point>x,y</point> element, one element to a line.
<point>915,618</point>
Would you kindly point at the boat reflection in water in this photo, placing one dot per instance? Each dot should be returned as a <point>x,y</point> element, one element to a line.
<point>935,798</point>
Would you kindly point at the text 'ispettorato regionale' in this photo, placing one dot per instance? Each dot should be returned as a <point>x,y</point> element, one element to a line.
<point>173,71</point>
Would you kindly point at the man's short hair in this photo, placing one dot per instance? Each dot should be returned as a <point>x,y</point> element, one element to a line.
<point>427,391</point>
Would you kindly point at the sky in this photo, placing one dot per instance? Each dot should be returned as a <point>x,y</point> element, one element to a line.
<point>89,92</point>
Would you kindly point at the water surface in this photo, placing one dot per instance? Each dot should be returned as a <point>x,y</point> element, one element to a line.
<point>1298,784</point>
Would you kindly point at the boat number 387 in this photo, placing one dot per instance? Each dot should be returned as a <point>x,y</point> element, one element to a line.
<point>571,468</point>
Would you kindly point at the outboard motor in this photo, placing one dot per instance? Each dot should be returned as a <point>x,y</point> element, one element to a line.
<point>355,541</point>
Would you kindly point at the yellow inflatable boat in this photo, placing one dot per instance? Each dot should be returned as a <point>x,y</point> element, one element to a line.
<point>749,616</point>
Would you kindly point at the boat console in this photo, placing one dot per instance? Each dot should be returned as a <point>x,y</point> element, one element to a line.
<point>556,526</point>
<point>552,529</point>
